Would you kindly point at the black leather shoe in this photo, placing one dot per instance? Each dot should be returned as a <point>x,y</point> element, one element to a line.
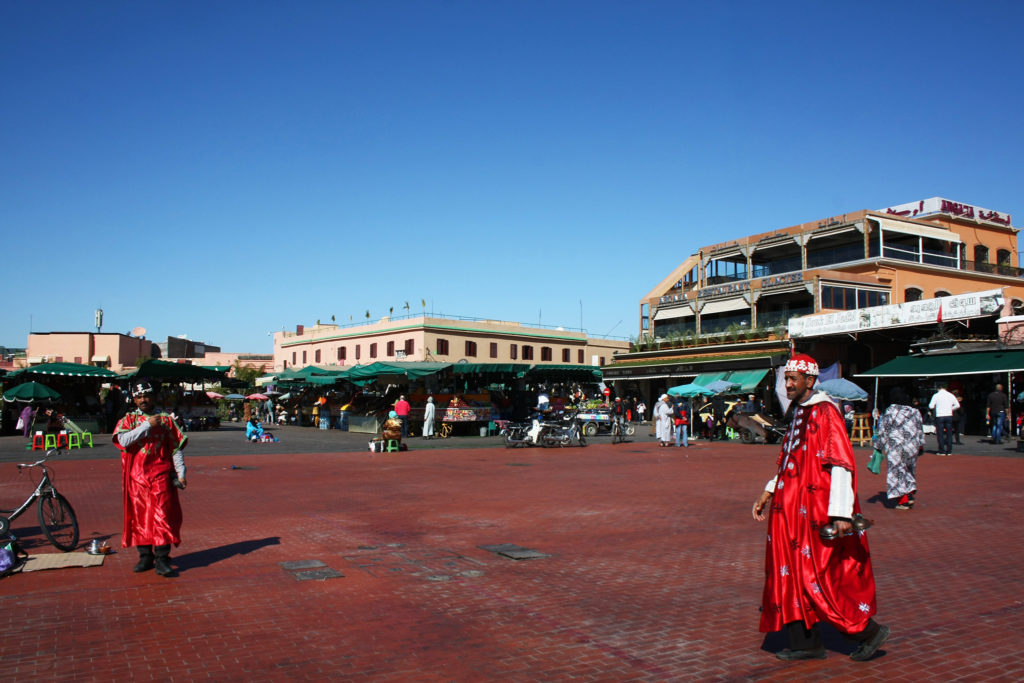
<point>144,565</point>
<point>788,655</point>
<point>163,567</point>
<point>868,648</point>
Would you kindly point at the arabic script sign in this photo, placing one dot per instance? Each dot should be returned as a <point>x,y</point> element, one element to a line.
<point>927,207</point>
<point>955,307</point>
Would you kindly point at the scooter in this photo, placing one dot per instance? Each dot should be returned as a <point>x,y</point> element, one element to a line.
<point>565,431</point>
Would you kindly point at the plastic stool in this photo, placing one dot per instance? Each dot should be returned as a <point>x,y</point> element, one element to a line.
<point>74,441</point>
<point>62,440</point>
<point>86,437</point>
<point>37,442</point>
<point>392,446</point>
<point>50,441</point>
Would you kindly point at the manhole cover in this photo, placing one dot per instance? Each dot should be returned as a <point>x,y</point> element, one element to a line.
<point>318,574</point>
<point>301,564</point>
<point>514,552</point>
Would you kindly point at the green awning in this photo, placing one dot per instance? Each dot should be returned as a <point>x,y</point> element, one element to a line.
<point>707,378</point>
<point>946,364</point>
<point>490,368</point>
<point>747,379</point>
<point>177,372</point>
<point>565,372</point>
<point>66,369</point>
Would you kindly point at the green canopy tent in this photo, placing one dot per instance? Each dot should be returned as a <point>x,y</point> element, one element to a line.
<point>564,373</point>
<point>63,370</point>
<point>30,392</point>
<point>165,371</point>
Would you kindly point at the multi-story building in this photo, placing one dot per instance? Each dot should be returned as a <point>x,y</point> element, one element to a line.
<point>731,302</point>
<point>439,338</point>
<point>104,349</point>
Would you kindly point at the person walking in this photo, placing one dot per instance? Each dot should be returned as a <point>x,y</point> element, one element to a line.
<point>942,406</point>
<point>959,417</point>
<point>663,420</point>
<point>428,418</point>
<point>681,418</point>
<point>809,579</point>
<point>900,436</point>
<point>641,408</point>
<point>153,469</point>
<point>995,412</point>
<point>402,408</point>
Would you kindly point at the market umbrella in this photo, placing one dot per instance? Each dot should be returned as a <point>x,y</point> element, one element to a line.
<point>31,392</point>
<point>214,394</point>
<point>235,397</point>
<point>256,397</point>
<point>843,388</point>
<point>689,391</point>
<point>720,386</point>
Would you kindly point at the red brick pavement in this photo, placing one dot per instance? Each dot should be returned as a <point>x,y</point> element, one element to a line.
<point>654,572</point>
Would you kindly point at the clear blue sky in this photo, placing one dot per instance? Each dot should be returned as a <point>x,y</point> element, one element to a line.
<point>225,169</point>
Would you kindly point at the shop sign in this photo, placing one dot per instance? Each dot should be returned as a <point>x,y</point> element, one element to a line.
<point>723,290</point>
<point>926,311</point>
<point>927,207</point>
<point>779,280</point>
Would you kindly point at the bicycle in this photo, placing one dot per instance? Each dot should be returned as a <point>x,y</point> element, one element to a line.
<point>56,516</point>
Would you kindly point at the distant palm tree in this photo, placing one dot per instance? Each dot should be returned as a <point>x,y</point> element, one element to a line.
<point>367,314</point>
<point>406,306</point>
<point>391,310</point>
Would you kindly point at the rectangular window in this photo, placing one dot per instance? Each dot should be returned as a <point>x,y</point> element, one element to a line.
<point>303,357</point>
<point>316,356</point>
<point>527,352</point>
<point>409,347</point>
<point>566,355</point>
<point>285,363</point>
<point>391,348</point>
<point>442,347</point>
<point>545,353</point>
<point>293,358</point>
<point>373,350</point>
<point>494,349</point>
<point>471,349</point>
<point>601,361</point>
<point>513,351</point>
<point>341,353</point>
<point>357,351</point>
<point>579,356</point>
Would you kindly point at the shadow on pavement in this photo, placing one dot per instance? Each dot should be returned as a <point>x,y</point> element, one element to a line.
<point>204,558</point>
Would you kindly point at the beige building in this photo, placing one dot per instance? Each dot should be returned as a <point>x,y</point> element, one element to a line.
<point>439,338</point>
<point>104,349</point>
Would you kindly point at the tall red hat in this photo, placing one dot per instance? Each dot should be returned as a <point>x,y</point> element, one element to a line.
<point>803,364</point>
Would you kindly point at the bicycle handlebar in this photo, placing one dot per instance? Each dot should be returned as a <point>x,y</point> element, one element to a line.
<point>50,453</point>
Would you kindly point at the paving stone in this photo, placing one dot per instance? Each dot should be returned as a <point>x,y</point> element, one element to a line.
<point>301,564</point>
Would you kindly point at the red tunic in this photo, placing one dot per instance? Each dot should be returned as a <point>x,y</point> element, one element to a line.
<point>152,513</point>
<point>808,579</point>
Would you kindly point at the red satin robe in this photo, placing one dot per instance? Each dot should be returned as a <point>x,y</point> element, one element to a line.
<point>152,513</point>
<point>808,579</point>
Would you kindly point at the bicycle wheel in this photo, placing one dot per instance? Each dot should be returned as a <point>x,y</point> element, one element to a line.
<point>58,521</point>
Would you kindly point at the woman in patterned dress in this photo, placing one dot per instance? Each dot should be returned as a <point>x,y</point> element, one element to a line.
<point>901,439</point>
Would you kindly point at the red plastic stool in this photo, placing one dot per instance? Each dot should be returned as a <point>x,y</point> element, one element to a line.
<point>38,442</point>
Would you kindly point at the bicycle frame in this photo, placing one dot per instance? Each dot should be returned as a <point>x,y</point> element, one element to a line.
<point>44,487</point>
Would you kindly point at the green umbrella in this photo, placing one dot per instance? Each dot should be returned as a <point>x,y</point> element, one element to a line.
<point>31,392</point>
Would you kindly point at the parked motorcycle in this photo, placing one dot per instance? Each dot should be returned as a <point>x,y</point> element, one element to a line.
<point>557,432</point>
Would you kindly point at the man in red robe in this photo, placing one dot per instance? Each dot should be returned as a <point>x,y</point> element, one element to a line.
<point>808,579</point>
<point>152,469</point>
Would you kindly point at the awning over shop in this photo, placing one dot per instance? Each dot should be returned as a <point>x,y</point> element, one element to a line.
<point>737,304</point>
<point>683,311</point>
<point>65,369</point>
<point>747,379</point>
<point>707,378</point>
<point>946,364</point>
<point>583,373</point>
<point>517,369</point>
<point>908,228</point>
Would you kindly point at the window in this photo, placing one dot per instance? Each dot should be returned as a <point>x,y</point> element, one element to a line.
<point>513,351</point>
<point>980,253</point>
<point>1003,257</point>
<point>303,357</point>
<point>293,358</point>
<point>545,353</point>
<point>941,292</point>
<point>471,349</point>
<point>849,298</point>
<point>285,364</point>
<point>527,352</point>
<point>316,356</point>
<point>494,349</point>
<point>442,347</point>
<point>601,361</point>
<point>373,350</point>
<point>579,356</point>
<point>912,294</point>
<point>357,351</point>
<point>341,353</point>
<point>566,355</point>
<point>391,348</point>
<point>409,347</point>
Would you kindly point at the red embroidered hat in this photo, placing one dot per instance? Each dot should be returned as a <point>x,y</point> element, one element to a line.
<point>803,364</point>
